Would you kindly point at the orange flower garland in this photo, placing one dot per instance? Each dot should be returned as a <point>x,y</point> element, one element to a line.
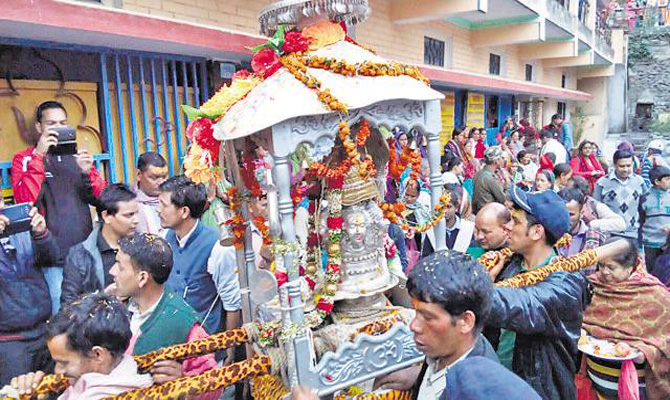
<point>259,222</point>
<point>299,70</point>
<point>394,168</point>
<point>363,133</point>
<point>323,171</point>
<point>412,159</point>
<point>392,212</point>
<point>365,68</point>
<point>237,222</point>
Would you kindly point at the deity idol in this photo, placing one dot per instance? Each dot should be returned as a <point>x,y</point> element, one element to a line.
<point>365,267</point>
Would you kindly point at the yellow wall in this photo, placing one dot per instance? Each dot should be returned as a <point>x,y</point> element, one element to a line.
<point>32,93</point>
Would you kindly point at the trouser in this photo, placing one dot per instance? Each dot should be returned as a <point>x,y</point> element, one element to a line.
<point>650,256</point>
<point>18,357</point>
<point>54,277</point>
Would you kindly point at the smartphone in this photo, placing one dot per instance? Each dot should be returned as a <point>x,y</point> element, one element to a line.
<point>19,218</point>
<point>67,142</point>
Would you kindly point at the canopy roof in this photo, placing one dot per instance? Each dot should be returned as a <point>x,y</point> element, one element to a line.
<point>282,96</point>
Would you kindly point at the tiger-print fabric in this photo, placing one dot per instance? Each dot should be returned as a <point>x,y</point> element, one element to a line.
<point>179,352</point>
<point>388,395</point>
<point>268,387</point>
<point>378,327</point>
<point>206,382</point>
<point>491,258</point>
<point>49,384</point>
<point>561,264</point>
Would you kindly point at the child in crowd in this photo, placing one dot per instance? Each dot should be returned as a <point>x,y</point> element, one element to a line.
<point>655,214</point>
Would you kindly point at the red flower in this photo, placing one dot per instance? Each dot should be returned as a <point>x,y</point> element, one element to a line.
<point>265,62</point>
<point>334,222</point>
<point>197,127</point>
<point>325,306</point>
<point>241,74</point>
<point>312,240</point>
<point>294,41</point>
<point>201,132</point>
<point>333,268</point>
<point>282,278</point>
<point>310,282</point>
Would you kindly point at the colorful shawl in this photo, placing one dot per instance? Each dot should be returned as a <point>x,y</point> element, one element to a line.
<point>464,155</point>
<point>635,311</point>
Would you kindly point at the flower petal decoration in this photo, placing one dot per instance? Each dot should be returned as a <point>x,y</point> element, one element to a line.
<point>294,41</point>
<point>198,165</point>
<point>265,62</point>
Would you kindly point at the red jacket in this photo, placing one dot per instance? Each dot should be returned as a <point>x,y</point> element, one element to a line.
<point>581,168</point>
<point>28,174</point>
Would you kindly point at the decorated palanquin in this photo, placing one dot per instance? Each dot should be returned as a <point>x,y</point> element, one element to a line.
<point>309,129</point>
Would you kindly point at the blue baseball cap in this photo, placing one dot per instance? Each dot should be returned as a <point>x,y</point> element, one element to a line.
<point>547,206</point>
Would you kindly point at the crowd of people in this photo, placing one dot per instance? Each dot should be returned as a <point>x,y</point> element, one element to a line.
<point>81,294</point>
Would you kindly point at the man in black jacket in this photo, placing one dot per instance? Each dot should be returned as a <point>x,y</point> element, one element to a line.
<point>88,263</point>
<point>25,305</point>
<point>540,323</point>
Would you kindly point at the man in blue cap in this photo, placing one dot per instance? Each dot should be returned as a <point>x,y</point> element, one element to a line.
<point>540,324</point>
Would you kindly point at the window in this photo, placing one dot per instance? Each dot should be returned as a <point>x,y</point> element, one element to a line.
<point>529,72</point>
<point>494,64</point>
<point>433,51</point>
<point>564,81</point>
<point>560,110</point>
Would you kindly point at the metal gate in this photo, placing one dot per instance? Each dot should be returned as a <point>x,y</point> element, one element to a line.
<point>141,95</point>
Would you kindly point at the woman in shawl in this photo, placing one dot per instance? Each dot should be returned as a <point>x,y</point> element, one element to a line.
<point>457,145</point>
<point>418,212</point>
<point>587,165</point>
<point>631,306</point>
<point>544,180</point>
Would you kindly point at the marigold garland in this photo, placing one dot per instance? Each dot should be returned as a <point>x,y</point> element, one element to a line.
<point>260,223</point>
<point>237,222</point>
<point>412,159</point>
<point>392,212</point>
<point>363,133</point>
<point>299,70</point>
<point>366,68</point>
<point>394,168</point>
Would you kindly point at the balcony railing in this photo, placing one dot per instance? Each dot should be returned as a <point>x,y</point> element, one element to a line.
<point>559,14</point>
<point>585,33</point>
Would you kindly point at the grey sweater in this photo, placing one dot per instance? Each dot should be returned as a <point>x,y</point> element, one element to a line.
<point>655,211</point>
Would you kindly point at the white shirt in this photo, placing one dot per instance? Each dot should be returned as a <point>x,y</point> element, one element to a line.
<point>435,382</point>
<point>554,146</point>
<point>222,265</point>
<point>137,318</point>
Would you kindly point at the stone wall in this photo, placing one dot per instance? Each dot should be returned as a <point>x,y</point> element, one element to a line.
<point>649,75</point>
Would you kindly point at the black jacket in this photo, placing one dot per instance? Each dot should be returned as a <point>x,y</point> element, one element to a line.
<point>64,199</point>
<point>547,319</point>
<point>83,270</point>
<point>25,304</point>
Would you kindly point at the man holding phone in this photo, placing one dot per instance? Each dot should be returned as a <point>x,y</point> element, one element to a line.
<point>24,297</point>
<point>61,186</point>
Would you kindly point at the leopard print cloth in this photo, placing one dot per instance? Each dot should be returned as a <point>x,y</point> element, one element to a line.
<point>206,382</point>
<point>179,352</point>
<point>49,384</point>
<point>559,264</point>
<point>378,327</point>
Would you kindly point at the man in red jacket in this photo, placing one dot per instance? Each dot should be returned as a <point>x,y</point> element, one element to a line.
<point>61,186</point>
